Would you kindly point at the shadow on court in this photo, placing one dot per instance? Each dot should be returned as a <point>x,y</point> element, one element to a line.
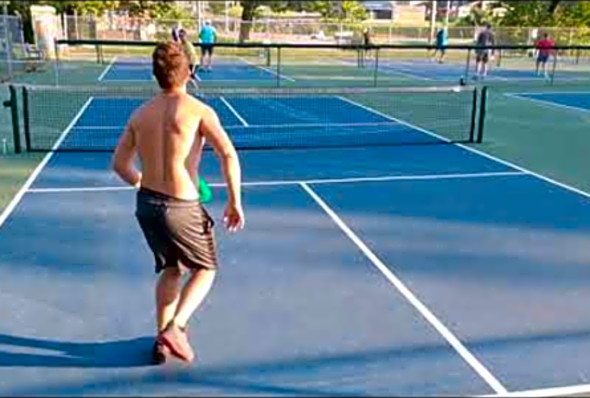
<point>306,375</point>
<point>110,354</point>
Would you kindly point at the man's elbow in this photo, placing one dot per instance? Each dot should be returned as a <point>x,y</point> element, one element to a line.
<point>227,153</point>
<point>117,166</point>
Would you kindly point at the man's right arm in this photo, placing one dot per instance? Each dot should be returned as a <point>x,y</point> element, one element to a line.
<point>214,133</point>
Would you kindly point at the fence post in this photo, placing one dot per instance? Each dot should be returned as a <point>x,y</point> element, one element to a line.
<point>12,103</point>
<point>467,65</point>
<point>278,66</point>
<point>554,67</point>
<point>56,62</point>
<point>376,70</point>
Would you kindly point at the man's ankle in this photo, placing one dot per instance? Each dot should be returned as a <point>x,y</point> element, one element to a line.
<point>175,323</point>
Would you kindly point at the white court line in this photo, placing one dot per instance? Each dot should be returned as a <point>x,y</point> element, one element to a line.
<point>546,102</point>
<point>128,80</point>
<point>419,177</point>
<point>236,114</point>
<point>81,189</point>
<point>475,364</point>
<point>547,392</point>
<point>268,70</point>
<point>284,126</point>
<point>389,117</point>
<point>107,69</point>
<point>473,150</point>
<point>19,195</point>
<point>391,71</point>
<point>196,74</point>
<point>548,92</point>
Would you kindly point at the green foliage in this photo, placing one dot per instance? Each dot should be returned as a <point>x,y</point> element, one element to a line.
<point>528,13</point>
<point>547,13</point>
<point>573,14</point>
<point>338,10</point>
<point>479,17</point>
<point>217,7</point>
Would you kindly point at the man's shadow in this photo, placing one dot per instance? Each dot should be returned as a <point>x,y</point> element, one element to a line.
<point>109,354</point>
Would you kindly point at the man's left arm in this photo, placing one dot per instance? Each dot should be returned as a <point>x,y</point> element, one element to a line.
<point>123,158</point>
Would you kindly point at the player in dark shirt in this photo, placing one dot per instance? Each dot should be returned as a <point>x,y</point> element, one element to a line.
<point>483,55</point>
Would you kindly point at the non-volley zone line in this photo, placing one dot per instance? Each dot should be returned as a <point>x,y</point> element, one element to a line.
<point>261,126</point>
<point>352,180</point>
<point>272,72</point>
<point>549,103</point>
<point>107,69</point>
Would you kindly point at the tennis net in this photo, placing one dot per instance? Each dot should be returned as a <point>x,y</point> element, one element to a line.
<point>92,118</point>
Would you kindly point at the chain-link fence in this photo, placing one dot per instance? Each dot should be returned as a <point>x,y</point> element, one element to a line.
<point>121,27</point>
<point>15,55</point>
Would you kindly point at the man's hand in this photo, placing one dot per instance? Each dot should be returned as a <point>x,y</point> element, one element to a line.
<point>122,161</point>
<point>233,217</point>
<point>215,134</point>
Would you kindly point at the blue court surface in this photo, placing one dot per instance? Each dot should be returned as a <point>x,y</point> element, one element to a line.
<point>388,270</point>
<point>579,101</point>
<point>238,69</point>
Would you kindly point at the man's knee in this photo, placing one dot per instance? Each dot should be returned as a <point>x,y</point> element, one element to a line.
<point>171,272</point>
<point>203,271</point>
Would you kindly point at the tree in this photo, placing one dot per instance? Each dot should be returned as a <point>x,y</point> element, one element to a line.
<point>573,15</point>
<point>553,6</point>
<point>248,11</point>
<point>528,13</point>
<point>340,10</point>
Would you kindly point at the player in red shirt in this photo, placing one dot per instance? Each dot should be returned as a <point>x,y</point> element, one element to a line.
<point>544,50</point>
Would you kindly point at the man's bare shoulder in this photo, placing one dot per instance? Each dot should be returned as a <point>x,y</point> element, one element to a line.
<point>197,105</point>
<point>140,112</point>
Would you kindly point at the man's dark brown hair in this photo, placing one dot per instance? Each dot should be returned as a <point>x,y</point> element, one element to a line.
<point>170,65</point>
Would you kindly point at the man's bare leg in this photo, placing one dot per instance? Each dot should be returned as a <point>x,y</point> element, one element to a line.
<point>484,72</point>
<point>167,296</point>
<point>192,295</point>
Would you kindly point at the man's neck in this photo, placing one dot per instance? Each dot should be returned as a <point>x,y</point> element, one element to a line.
<point>175,90</point>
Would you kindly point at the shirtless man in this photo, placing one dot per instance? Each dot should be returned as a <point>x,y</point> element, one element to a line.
<point>168,133</point>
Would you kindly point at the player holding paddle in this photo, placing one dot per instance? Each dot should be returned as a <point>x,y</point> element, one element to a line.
<point>168,133</point>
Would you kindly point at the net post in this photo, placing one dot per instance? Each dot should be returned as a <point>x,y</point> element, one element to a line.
<point>12,103</point>
<point>499,61</point>
<point>26,119</point>
<point>376,69</point>
<point>482,113</point>
<point>553,68</point>
<point>467,64</point>
<point>57,62</point>
<point>473,116</point>
<point>279,66</point>
<point>359,60</point>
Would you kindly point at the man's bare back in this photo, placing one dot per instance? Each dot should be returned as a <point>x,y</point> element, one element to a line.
<point>168,134</point>
<point>169,143</point>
